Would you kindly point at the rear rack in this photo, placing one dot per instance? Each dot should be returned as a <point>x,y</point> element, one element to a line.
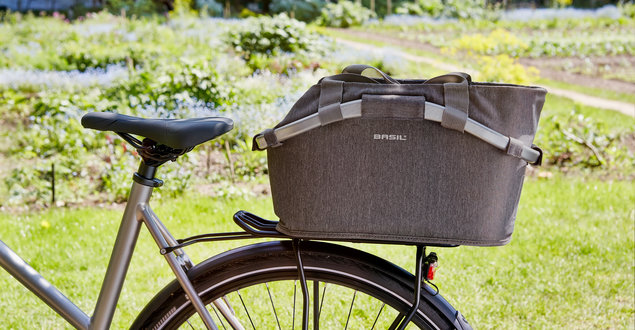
<point>253,226</point>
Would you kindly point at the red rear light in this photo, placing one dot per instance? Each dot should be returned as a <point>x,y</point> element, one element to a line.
<point>432,268</point>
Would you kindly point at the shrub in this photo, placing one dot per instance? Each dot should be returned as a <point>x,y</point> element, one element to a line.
<point>344,14</point>
<point>502,68</point>
<point>627,9</point>
<point>460,9</point>
<point>577,141</point>
<point>168,86</point>
<point>431,8</point>
<point>470,9</point>
<point>498,41</point>
<point>303,10</point>
<point>133,7</point>
<point>272,36</point>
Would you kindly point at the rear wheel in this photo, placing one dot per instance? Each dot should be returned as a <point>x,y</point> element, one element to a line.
<point>259,283</point>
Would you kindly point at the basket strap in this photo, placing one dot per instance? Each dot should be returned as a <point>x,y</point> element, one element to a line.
<point>350,77</point>
<point>330,92</point>
<point>329,110</point>
<point>360,68</point>
<point>515,147</point>
<point>457,99</point>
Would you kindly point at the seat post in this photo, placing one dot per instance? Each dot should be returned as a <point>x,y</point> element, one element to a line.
<point>145,175</point>
<point>142,187</point>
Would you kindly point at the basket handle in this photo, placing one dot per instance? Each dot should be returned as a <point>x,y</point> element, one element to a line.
<point>332,89</point>
<point>413,107</point>
<point>360,68</point>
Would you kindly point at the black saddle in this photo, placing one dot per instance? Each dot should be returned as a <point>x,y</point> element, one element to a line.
<point>174,133</point>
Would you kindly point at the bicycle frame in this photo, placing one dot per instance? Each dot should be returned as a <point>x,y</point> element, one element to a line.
<point>137,211</point>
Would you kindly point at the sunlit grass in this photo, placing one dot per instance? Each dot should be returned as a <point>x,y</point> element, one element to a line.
<point>568,265</point>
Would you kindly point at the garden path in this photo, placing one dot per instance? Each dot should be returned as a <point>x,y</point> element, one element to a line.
<point>623,107</point>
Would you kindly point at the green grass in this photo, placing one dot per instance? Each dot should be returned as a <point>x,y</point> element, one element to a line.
<point>616,121</point>
<point>568,265</point>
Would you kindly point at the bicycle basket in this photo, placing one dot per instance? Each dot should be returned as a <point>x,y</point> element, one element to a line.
<point>365,159</point>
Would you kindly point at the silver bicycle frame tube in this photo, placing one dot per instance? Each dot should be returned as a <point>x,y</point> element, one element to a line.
<point>153,223</point>
<point>113,280</point>
<point>33,281</point>
<point>120,258</point>
<point>137,212</point>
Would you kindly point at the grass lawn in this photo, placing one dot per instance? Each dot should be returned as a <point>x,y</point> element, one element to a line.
<point>570,263</point>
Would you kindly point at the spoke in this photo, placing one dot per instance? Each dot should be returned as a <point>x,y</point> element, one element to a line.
<point>273,306</point>
<point>350,310</point>
<point>294,293</point>
<point>323,295</point>
<point>377,318</point>
<point>218,316</point>
<point>396,322</point>
<point>316,305</point>
<point>188,322</point>
<point>246,311</point>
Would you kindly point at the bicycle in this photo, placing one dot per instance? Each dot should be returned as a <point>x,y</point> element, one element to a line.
<point>220,285</point>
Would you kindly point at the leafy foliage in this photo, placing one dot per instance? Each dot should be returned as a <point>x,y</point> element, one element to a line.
<point>577,141</point>
<point>502,68</point>
<point>430,8</point>
<point>134,7</point>
<point>271,36</point>
<point>136,67</point>
<point>628,9</point>
<point>344,14</point>
<point>461,9</point>
<point>498,41</point>
<point>303,10</point>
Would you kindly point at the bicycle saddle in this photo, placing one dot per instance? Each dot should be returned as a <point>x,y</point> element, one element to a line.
<point>174,133</point>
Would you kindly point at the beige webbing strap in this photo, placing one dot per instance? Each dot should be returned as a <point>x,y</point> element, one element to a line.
<point>329,110</point>
<point>331,92</point>
<point>360,68</point>
<point>271,138</point>
<point>456,96</point>
<point>457,103</point>
<point>393,106</point>
<point>330,114</point>
<point>515,147</point>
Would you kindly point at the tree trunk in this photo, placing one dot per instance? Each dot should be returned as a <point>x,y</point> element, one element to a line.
<point>372,6</point>
<point>388,7</point>
<point>227,10</point>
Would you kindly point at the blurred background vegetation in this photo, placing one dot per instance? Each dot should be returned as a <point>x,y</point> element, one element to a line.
<point>304,10</point>
<point>134,61</point>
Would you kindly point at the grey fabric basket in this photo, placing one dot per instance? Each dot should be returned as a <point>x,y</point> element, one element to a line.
<point>383,170</point>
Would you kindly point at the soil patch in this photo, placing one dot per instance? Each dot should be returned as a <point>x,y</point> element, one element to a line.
<point>550,68</point>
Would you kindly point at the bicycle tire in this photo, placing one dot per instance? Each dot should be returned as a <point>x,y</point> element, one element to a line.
<point>252,265</point>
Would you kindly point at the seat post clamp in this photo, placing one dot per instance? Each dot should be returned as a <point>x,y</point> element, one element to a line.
<point>155,183</point>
